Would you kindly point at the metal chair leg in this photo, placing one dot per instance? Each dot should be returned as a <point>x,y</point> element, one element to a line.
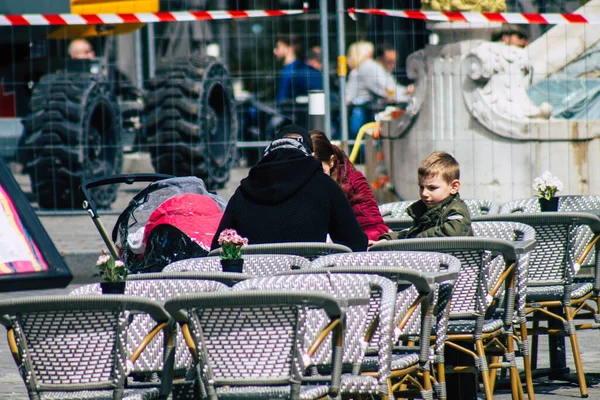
<point>485,376</point>
<point>526,361</point>
<point>576,354</point>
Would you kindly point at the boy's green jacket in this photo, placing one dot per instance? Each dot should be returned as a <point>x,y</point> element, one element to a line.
<point>450,217</point>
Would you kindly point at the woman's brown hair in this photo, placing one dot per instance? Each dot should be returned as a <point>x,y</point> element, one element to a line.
<point>323,150</point>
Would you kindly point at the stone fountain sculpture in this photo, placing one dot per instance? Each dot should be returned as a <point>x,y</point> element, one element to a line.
<point>464,5</point>
<point>471,99</point>
<point>495,89</point>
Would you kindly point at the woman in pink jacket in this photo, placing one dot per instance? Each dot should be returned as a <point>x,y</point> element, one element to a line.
<point>337,165</point>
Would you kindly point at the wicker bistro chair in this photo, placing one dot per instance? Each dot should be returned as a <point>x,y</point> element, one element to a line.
<point>565,204</point>
<point>397,219</point>
<point>571,203</point>
<point>309,250</point>
<point>160,288</point>
<point>440,271</point>
<point>246,343</point>
<point>254,264</point>
<point>70,347</point>
<point>398,224</point>
<point>564,241</point>
<point>226,278</point>
<point>477,207</point>
<point>395,216</point>
<point>396,209</point>
<point>523,238</point>
<point>357,294</point>
<point>486,266</point>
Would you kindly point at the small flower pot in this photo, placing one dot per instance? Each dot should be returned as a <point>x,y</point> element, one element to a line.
<point>549,205</point>
<point>113,287</point>
<point>233,265</point>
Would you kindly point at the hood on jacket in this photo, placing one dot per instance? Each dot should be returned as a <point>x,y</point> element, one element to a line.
<point>278,176</point>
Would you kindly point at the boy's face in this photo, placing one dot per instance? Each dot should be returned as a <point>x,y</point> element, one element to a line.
<point>435,189</point>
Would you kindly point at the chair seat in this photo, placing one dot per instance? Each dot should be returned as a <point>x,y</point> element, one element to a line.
<point>270,392</point>
<point>359,384</point>
<point>546,293</point>
<point>398,363</point>
<point>468,326</point>
<point>129,394</point>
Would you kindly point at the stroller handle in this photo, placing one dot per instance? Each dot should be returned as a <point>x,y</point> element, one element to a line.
<point>89,203</point>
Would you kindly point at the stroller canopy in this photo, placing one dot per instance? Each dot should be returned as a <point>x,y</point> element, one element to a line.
<point>196,215</point>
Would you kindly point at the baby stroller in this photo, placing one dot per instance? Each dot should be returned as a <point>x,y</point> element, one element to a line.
<point>173,218</point>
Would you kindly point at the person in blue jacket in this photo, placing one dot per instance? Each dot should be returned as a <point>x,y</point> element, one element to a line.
<point>297,77</point>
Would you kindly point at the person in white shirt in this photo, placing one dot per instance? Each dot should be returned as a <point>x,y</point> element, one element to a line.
<point>369,81</point>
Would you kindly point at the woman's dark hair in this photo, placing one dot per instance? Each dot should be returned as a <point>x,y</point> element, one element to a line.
<point>323,150</point>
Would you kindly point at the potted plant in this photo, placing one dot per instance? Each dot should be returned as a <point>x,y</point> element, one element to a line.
<point>231,250</point>
<point>113,273</point>
<point>546,186</point>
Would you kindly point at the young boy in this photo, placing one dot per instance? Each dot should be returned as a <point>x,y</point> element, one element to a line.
<point>440,212</point>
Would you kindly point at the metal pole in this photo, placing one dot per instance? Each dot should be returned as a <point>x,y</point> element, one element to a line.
<point>139,74</point>
<point>341,70</point>
<point>323,17</point>
<point>223,31</point>
<point>151,51</point>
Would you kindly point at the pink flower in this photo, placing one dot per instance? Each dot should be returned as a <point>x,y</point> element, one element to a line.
<point>231,243</point>
<point>109,269</point>
<point>103,259</point>
<point>231,236</point>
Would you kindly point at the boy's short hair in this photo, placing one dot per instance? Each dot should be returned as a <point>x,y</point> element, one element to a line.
<point>439,163</point>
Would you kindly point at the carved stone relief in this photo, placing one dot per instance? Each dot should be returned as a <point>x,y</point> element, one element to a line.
<point>416,70</point>
<point>494,86</point>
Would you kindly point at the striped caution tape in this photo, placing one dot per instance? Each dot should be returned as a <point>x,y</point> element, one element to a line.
<point>113,19</point>
<point>485,17</point>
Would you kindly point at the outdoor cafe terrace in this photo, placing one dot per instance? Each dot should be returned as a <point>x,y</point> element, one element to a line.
<point>438,317</point>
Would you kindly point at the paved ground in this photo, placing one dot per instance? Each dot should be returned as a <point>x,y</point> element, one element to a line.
<point>78,240</point>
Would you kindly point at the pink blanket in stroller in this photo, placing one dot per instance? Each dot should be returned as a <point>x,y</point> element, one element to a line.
<point>196,215</point>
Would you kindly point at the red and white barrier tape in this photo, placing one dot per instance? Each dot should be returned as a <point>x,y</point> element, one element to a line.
<point>113,19</point>
<point>457,16</point>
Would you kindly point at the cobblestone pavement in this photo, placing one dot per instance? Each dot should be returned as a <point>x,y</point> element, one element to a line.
<point>75,236</point>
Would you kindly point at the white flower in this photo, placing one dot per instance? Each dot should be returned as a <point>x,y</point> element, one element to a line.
<point>119,263</point>
<point>547,185</point>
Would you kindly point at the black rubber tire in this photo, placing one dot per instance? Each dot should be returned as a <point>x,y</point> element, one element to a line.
<point>72,134</point>
<point>191,120</point>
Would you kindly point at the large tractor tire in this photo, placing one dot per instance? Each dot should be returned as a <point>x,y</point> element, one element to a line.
<point>72,134</point>
<point>191,120</point>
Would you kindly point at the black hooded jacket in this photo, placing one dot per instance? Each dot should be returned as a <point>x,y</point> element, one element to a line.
<point>288,198</point>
